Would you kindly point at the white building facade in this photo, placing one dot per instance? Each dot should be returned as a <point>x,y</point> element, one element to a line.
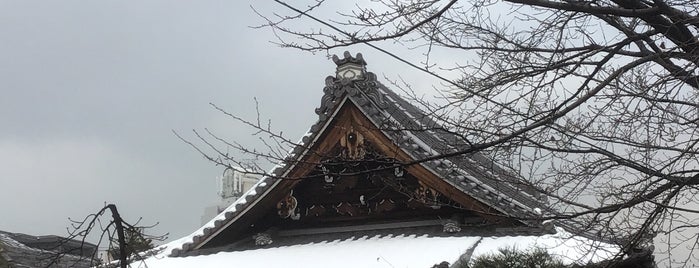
<point>231,186</point>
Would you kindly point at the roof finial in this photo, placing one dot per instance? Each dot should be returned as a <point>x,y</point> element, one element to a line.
<point>351,68</point>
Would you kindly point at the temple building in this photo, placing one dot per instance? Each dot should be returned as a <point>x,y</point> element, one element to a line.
<point>369,186</point>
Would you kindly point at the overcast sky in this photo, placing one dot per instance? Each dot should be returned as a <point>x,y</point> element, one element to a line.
<point>91,90</point>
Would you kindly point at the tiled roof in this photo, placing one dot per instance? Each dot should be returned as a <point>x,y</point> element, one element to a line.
<point>20,253</point>
<point>409,128</point>
<point>421,248</point>
<point>472,173</point>
<point>321,235</point>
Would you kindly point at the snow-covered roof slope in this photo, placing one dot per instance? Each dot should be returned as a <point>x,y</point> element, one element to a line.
<point>391,251</point>
<point>262,187</point>
<point>18,254</point>
<point>360,252</point>
<point>234,209</point>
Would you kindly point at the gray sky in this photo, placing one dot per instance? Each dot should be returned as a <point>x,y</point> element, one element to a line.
<point>90,91</point>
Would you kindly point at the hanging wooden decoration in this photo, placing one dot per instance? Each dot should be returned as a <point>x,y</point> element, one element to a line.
<point>353,145</point>
<point>286,208</point>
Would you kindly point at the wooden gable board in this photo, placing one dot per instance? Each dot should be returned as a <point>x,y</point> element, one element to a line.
<point>349,117</point>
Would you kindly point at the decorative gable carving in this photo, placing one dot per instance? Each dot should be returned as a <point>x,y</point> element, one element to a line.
<point>352,145</point>
<point>286,208</point>
<point>356,183</point>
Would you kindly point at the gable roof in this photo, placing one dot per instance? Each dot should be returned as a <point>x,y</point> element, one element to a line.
<point>21,250</point>
<point>406,126</point>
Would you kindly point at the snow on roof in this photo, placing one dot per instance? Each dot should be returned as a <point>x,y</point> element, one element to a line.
<point>391,251</point>
<point>166,249</point>
<point>18,254</point>
<point>570,248</point>
<point>399,251</point>
<point>242,203</point>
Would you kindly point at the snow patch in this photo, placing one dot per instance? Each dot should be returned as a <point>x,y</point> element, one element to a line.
<point>391,251</point>
<point>562,244</point>
<point>370,252</point>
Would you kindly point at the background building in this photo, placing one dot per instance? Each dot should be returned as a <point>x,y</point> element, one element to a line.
<point>23,250</point>
<point>231,186</point>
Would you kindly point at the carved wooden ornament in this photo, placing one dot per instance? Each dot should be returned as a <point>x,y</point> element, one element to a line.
<point>385,205</point>
<point>315,211</point>
<point>426,195</point>
<point>262,239</point>
<point>345,208</point>
<point>353,145</point>
<point>287,207</point>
